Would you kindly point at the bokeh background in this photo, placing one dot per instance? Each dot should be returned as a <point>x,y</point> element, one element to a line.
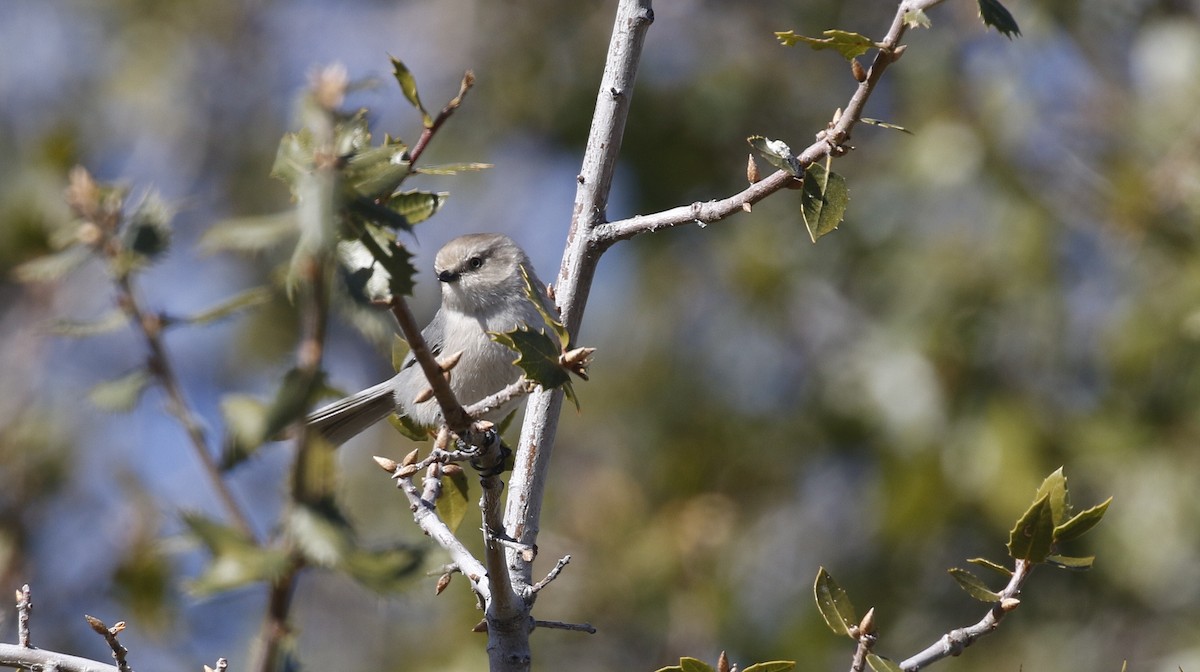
<point>1016,287</point>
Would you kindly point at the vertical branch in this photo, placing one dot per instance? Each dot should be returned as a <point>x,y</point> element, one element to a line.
<point>24,607</point>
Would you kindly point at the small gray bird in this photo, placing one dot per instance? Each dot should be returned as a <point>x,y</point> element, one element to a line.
<point>482,291</point>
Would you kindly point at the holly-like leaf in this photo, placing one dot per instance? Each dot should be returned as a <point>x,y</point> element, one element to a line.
<point>386,570</point>
<point>454,503</point>
<point>122,394</point>
<point>416,206</point>
<point>834,604</point>
<point>823,200</point>
<point>1033,535</point>
<point>534,296</point>
<point>537,356</point>
<point>236,560</point>
<point>1076,564</point>
<point>1054,487</point>
<point>408,84</point>
<point>849,45</point>
<point>880,664</point>
<point>995,15</point>
<point>772,666</point>
<point>394,260</point>
<point>999,569</point>
<point>52,267</point>
<point>776,152</point>
<point>376,172</point>
<point>973,585</point>
<point>231,306</point>
<point>1083,521</point>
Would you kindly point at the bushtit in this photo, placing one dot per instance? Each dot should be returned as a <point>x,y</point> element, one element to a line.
<point>482,291</point>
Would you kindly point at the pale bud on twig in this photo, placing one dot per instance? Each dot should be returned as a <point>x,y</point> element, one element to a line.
<point>410,458</point>
<point>1009,603</point>
<point>386,464</point>
<point>752,170</point>
<point>442,582</point>
<point>867,626</point>
<point>856,68</point>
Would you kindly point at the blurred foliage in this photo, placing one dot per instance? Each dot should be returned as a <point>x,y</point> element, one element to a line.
<point>1015,287</point>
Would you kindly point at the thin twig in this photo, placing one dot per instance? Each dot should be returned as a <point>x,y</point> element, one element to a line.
<point>953,642</point>
<point>24,607</point>
<point>551,575</point>
<point>490,403</point>
<point>559,625</point>
<point>455,416</point>
<point>120,653</point>
<point>16,656</point>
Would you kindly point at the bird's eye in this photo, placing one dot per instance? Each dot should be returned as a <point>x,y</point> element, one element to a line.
<point>475,262</point>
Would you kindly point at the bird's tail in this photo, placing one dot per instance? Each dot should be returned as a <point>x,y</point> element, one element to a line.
<point>346,418</point>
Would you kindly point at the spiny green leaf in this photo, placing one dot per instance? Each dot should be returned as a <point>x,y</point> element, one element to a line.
<point>395,261</point>
<point>417,206</point>
<point>834,604</point>
<point>1067,562</point>
<point>52,266</point>
<point>1033,535</point>
<point>1055,487</point>
<point>245,428</point>
<point>973,585</point>
<point>534,296</point>
<point>453,168</point>
<point>105,324</point>
<point>408,84</point>
<point>251,235</point>
<point>772,666</point>
<point>537,356</point>
<point>385,570</point>
<point>997,16</point>
<point>320,533</point>
<point>234,304</point>
<point>776,152</point>
<point>376,172</point>
<point>881,664</point>
<point>999,569</point>
<point>1083,521</point>
<point>849,45</point>
<point>454,503</point>
<point>884,124</point>
<point>122,394</point>
<point>823,200</point>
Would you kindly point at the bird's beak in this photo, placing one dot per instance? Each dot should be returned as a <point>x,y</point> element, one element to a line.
<point>448,276</point>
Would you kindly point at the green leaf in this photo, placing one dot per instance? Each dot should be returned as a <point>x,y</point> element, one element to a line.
<point>694,665</point>
<point>297,392</point>
<point>251,235</point>
<point>881,664</point>
<point>776,152</point>
<point>997,16</point>
<point>400,352</point>
<point>407,428</point>
<point>122,394</point>
<point>1055,487</point>
<point>998,568</point>
<point>376,172</point>
<point>293,159</point>
<point>385,570</point>
<point>1081,522</point>
<point>670,668</point>
<point>772,666</point>
<point>884,124</point>
<point>395,261</point>
<point>320,533</point>
<point>236,560</point>
<point>454,503</point>
<point>416,206</point>
<point>245,428</point>
<point>52,266</point>
<point>534,296</point>
<point>105,324</point>
<point>1066,562</point>
<point>231,306</point>
<point>917,18</point>
<point>408,84</point>
<point>973,585</point>
<point>849,45</point>
<point>1033,535</point>
<point>834,604</point>
<point>823,200</point>
<point>537,356</point>
<point>453,168</point>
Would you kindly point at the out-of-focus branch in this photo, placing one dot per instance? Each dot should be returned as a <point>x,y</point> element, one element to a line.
<point>953,642</point>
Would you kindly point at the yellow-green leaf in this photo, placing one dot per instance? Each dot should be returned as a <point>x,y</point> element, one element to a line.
<point>849,45</point>
<point>408,84</point>
<point>823,200</point>
<point>834,604</point>
<point>453,504</point>
<point>1081,522</point>
<point>122,394</point>
<point>1033,535</point>
<point>973,585</point>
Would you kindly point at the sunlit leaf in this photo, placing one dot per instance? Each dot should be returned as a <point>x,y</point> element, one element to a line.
<point>52,266</point>
<point>454,503</point>
<point>834,604</point>
<point>823,200</point>
<point>1083,521</point>
<point>376,172</point>
<point>999,569</point>
<point>122,394</point>
<point>884,124</point>
<point>849,45</point>
<point>1033,535</point>
<point>251,235</point>
<point>1055,488</point>
<point>772,666</point>
<point>453,168</point>
<point>997,16</point>
<point>973,585</point>
<point>917,18</point>
<point>416,206</point>
<point>107,323</point>
<point>1079,564</point>
<point>694,665</point>
<point>534,296</point>
<point>880,664</point>
<point>776,152</point>
<point>395,260</point>
<point>408,84</point>
<point>320,533</point>
<point>245,428</point>
<point>537,356</point>
<point>235,559</point>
